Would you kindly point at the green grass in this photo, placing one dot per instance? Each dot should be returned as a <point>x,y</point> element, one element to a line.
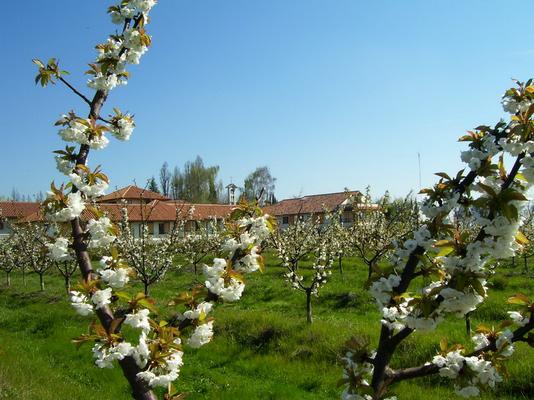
<point>262,349</point>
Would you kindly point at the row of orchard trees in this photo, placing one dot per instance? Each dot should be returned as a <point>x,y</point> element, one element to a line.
<point>309,248</point>
<point>39,247</point>
<point>374,231</point>
<point>456,263</point>
<point>28,250</point>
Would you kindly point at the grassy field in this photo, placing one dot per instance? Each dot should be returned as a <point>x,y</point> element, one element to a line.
<point>262,349</point>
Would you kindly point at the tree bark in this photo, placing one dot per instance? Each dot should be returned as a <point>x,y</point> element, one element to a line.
<point>8,279</point>
<point>140,390</point>
<point>468,324</point>
<point>309,317</point>
<point>41,282</point>
<point>67,284</point>
<point>146,288</point>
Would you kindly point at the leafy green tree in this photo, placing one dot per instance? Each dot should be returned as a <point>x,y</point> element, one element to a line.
<point>196,183</point>
<point>153,185</point>
<point>258,180</point>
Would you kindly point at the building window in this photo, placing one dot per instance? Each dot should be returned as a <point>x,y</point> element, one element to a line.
<point>161,228</point>
<point>285,220</point>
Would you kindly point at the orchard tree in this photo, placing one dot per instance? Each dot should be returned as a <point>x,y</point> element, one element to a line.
<point>376,227</point>
<point>308,239</point>
<point>9,257</point>
<point>527,229</point>
<point>154,357</point>
<point>150,257</point>
<point>458,266</point>
<point>195,246</point>
<point>31,241</point>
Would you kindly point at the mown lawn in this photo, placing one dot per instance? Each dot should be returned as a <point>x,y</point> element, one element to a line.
<point>262,349</point>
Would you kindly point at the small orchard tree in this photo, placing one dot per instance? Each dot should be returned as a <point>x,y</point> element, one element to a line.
<point>67,269</point>
<point>376,227</point>
<point>527,229</point>
<point>458,264</point>
<point>150,257</point>
<point>62,255</point>
<point>9,257</point>
<point>312,240</point>
<point>195,246</point>
<point>31,240</point>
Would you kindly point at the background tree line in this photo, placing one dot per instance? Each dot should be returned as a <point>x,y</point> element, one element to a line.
<point>196,182</point>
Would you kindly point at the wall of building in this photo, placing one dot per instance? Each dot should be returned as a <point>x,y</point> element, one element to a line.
<point>5,229</point>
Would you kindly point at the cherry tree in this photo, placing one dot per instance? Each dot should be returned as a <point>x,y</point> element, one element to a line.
<point>31,240</point>
<point>154,357</point>
<point>196,246</point>
<point>312,240</point>
<point>527,229</point>
<point>375,229</point>
<point>150,257</point>
<point>9,257</point>
<point>458,265</point>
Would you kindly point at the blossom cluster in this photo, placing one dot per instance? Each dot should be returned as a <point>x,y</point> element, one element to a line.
<point>101,232</point>
<point>59,249</point>
<point>109,71</point>
<point>475,372</point>
<point>307,238</point>
<point>243,250</point>
<point>460,259</point>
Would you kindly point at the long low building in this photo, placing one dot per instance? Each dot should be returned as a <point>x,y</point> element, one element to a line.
<point>158,212</point>
<point>288,211</point>
<point>14,211</point>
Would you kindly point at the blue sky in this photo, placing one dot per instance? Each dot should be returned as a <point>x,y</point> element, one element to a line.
<point>328,93</point>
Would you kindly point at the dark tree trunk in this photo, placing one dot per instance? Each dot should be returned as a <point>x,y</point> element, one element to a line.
<point>513,262</point>
<point>383,355</point>
<point>146,288</point>
<point>468,324</point>
<point>41,282</point>
<point>369,270</point>
<point>140,389</point>
<point>340,265</point>
<point>8,279</point>
<point>309,317</point>
<point>67,284</point>
<point>195,268</point>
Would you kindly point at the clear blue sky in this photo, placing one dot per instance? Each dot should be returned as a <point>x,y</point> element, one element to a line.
<point>327,93</point>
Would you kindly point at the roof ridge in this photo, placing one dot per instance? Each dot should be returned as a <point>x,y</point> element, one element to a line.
<point>320,194</point>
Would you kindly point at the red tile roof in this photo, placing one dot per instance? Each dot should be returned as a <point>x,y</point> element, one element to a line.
<point>155,211</point>
<point>312,204</point>
<point>203,212</point>
<point>17,209</point>
<point>131,192</point>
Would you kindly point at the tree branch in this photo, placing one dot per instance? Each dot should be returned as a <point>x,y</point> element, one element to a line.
<point>75,90</point>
